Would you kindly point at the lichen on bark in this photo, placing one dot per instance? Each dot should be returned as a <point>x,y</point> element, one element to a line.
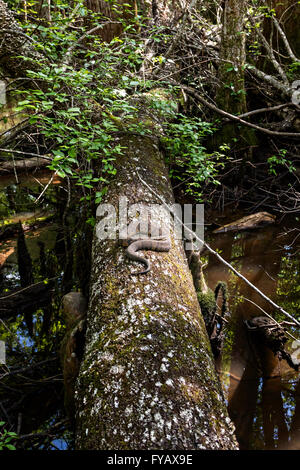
<point>147,380</point>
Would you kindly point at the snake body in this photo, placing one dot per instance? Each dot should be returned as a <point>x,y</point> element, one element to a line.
<point>162,245</point>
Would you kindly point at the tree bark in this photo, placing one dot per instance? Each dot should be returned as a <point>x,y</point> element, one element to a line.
<point>126,10</point>
<point>23,165</point>
<point>44,11</point>
<point>147,379</point>
<point>231,94</point>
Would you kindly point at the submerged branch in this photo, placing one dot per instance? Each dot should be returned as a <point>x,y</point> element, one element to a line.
<point>269,316</point>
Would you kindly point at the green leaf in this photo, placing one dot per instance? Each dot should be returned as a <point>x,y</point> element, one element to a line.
<point>10,447</point>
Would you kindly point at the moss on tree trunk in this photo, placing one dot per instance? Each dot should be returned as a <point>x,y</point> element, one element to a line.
<point>147,380</point>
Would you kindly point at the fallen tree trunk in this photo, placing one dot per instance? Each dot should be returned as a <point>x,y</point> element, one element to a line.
<point>147,379</point>
<point>23,165</point>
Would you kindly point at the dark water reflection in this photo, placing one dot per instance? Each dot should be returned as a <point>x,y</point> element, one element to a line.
<point>263,393</point>
<point>57,241</point>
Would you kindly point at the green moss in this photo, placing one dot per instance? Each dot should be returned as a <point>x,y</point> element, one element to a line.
<point>207,302</point>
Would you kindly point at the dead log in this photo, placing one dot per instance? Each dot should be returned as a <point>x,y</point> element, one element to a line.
<point>23,165</point>
<point>147,379</point>
<point>264,331</point>
<point>249,222</point>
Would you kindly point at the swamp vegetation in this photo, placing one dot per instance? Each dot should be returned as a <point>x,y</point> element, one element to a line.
<point>187,102</point>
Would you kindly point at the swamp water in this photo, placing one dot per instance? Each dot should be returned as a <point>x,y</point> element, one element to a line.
<point>263,393</point>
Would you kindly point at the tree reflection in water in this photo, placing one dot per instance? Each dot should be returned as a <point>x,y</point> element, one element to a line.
<point>262,392</point>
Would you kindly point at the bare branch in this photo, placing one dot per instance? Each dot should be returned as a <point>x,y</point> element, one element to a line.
<point>286,89</point>
<point>26,153</point>
<point>265,110</point>
<point>232,117</point>
<point>270,53</point>
<point>285,40</point>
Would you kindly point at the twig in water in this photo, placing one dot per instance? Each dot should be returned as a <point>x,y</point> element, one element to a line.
<point>45,188</point>
<point>269,316</point>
